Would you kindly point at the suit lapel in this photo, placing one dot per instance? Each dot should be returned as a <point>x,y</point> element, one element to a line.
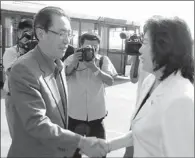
<point>48,76</point>
<point>155,97</point>
<point>52,85</point>
<point>143,93</point>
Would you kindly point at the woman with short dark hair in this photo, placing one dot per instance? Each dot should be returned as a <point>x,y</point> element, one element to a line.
<point>171,46</point>
<point>163,123</point>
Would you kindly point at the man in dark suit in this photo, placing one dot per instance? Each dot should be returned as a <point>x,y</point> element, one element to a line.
<point>39,94</point>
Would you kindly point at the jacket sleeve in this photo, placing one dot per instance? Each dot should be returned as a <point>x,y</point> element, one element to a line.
<point>178,128</point>
<point>31,108</point>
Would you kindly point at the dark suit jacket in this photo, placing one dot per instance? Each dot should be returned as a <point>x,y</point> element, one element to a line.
<point>39,121</point>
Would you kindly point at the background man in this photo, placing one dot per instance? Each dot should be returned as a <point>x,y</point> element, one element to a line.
<point>24,34</point>
<point>86,79</point>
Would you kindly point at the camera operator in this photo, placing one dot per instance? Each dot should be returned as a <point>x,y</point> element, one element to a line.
<point>87,73</point>
<point>24,34</point>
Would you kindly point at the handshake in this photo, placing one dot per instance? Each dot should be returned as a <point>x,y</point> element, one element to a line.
<point>94,147</point>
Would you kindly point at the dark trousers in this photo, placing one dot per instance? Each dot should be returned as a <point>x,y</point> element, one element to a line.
<point>129,152</point>
<point>91,129</point>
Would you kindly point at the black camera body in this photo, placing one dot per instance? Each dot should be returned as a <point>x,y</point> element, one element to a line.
<point>30,44</point>
<point>132,44</point>
<point>88,53</point>
<point>132,47</point>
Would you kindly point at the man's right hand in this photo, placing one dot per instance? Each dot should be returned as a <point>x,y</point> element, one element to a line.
<point>90,147</point>
<point>72,61</point>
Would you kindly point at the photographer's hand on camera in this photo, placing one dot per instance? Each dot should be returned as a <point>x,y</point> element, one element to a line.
<point>74,63</point>
<point>89,60</point>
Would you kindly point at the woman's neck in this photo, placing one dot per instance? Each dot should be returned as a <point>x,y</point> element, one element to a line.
<point>158,75</point>
<point>157,81</point>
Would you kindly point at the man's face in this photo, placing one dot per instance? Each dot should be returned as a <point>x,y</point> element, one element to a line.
<point>93,43</point>
<point>58,37</point>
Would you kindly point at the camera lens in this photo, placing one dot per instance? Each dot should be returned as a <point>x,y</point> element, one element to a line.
<point>27,35</point>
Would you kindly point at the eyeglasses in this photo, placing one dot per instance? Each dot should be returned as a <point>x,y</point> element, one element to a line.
<point>63,34</point>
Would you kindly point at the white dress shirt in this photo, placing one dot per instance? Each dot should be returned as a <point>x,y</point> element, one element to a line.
<point>87,92</point>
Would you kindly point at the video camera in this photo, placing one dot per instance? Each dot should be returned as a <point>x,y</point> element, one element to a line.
<point>30,44</point>
<point>88,53</point>
<point>132,43</point>
<point>132,46</point>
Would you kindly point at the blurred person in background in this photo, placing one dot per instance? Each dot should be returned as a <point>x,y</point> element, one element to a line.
<point>24,34</point>
<point>86,89</point>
